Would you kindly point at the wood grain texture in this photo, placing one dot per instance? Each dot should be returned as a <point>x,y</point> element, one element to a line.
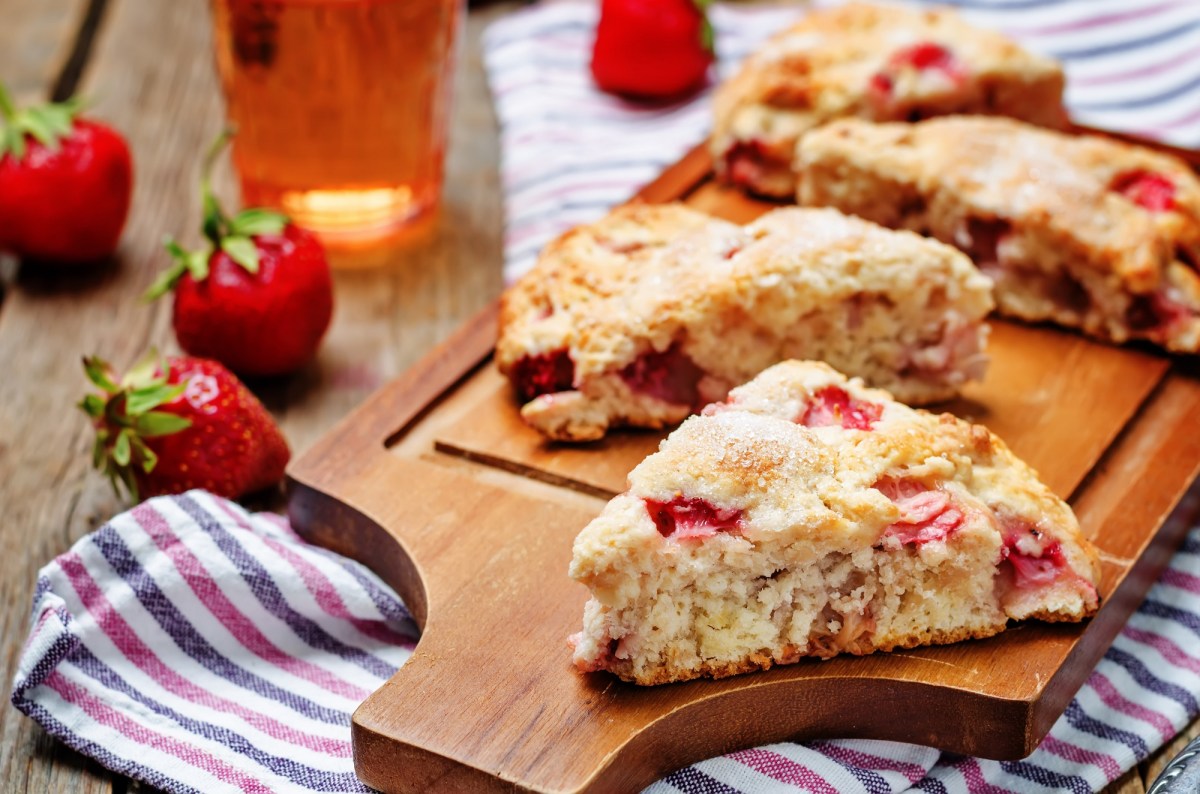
<point>1129,783</point>
<point>1152,767</point>
<point>36,39</point>
<point>480,547</point>
<point>151,75</point>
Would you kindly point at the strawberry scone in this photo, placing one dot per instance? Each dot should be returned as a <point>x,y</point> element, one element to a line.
<point>656,310</point>
<point>1083,231</point>
<point>809,516</point>
<point>873,62</point>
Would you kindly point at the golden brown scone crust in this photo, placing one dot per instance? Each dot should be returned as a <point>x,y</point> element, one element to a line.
<point>822,68</point>
<point>1056,195</point>
<point>902,311</point>
<point>807,495</point>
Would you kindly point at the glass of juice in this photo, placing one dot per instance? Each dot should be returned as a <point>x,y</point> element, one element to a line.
<point>340,108</point>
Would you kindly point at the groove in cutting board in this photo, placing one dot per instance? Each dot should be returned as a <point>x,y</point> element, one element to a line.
<point>1057,399</point>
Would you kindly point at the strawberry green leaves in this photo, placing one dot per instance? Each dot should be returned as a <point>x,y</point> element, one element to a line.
<point>707,35</point>
<point>124,416</point>
<point>243,251</point>
<point>256,220</point>
<point>194,262</point>
<point>47,124</point>
<point>233,236</point>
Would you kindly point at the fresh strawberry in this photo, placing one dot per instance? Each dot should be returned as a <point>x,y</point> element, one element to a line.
<point>65,184</point>
<point>170,425</point>
<point>652,49</point>
<point>257,297</point>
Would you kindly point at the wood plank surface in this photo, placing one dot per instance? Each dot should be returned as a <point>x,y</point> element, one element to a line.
<point>151,75</point>
<point>36,40</point>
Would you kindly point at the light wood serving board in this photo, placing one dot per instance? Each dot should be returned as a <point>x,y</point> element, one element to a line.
<point>437,485</point>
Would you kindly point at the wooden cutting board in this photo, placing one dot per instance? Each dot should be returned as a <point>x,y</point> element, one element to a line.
<point>437,485</point>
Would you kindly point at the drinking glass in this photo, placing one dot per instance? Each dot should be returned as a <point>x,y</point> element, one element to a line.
<point>340,108</point>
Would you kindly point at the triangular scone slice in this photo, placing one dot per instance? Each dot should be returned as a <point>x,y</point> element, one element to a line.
<point>1084,231</point>
<point>656,310</point>
<point>809,516</point>
<point>873,62</point>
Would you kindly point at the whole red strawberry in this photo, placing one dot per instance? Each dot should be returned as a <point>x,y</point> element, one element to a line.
<point>258,297</point>
<point>65,184</point>
<point>172,425</point>
<point>652,49</point>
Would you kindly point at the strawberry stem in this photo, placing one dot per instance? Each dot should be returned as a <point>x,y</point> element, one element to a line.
<point>8,110</point>
<point>233,236</point>
<point>122,411</point>
<point>47,124</point>
<point>215,222</point>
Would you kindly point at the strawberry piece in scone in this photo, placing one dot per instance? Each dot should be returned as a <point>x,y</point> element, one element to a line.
<point>1087,232</point>
<point>754,538</point>
<point>647,315</point>
<point>880,63</point>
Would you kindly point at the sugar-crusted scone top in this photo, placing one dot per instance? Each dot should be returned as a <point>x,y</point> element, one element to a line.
<point>828,487</point>
<point>584,288</point>
<point>648,274</point>
<point>824,67</point>
<point>1122,209</point>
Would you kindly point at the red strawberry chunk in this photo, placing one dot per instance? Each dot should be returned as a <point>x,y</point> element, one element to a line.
<point>923,56</point>
<point>620,246</point>
<point>669,376</point>
<point>833,406</point>
<point>545,373</point>
<point>601,661</point>
<point>925,515</point>
<point>1030,572</point>
<point>692,518</point>
<point>1147,189</point>
<point>1156,315</point>
<point>980,239</point>
<point>881,85</point>
<point>1035,560</point>
<point>746,162</point>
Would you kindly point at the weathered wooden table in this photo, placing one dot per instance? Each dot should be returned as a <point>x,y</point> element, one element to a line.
<point>147,67</point>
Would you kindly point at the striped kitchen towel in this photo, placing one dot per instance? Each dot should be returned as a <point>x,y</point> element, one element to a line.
<point>197,647</point>
<point>570,152</point>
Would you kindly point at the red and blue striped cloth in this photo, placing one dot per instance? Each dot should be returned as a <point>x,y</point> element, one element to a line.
<point>200,648</point>
<point>197,647</point>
